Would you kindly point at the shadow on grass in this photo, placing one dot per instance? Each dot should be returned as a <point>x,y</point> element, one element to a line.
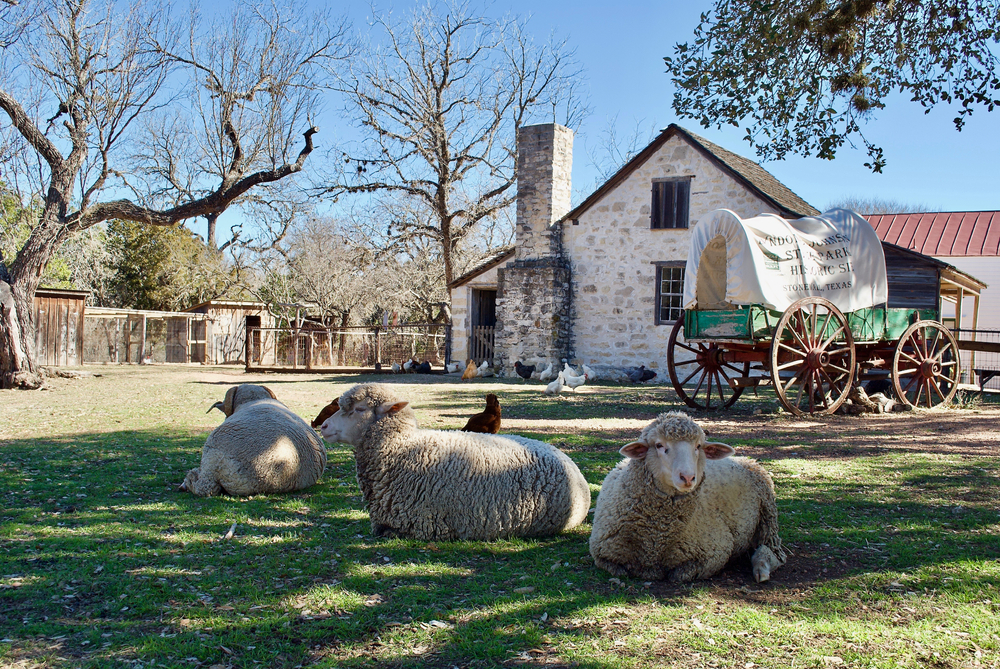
<point>97,541</point>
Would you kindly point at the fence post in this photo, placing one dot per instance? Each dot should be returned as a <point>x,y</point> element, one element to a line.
<point>247,347</point>
<point>378,346</point>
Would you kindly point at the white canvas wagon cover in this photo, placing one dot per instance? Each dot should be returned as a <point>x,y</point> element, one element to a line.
<point>773,262</point>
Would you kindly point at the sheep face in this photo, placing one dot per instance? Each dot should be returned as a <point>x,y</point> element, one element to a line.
<point>356,415</point>
<point>677,462</point>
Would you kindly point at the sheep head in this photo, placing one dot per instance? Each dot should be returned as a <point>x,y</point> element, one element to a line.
<point>674,449</point>
<point>241,394</point>
<point>361,407</point>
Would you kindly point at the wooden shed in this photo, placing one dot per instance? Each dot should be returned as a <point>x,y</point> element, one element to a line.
<point>59,326</point>
<point>918,281</point>
<point>229,320</point>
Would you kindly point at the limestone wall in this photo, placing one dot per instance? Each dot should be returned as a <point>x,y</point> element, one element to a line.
<point>612,249</point>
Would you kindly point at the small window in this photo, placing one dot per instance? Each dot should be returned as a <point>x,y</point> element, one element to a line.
<point>670,204</point>
<point>669,292</point>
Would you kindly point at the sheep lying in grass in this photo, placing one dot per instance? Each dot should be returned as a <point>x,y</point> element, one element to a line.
<point>679,509</point>
<point>261,447</point>
<point>441,485</point>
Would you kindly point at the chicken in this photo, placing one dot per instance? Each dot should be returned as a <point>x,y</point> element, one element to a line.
<point>485,369</point>
<point>524,371</point>
<point>488,421</point>
<point>454,367</point>
<point>396,368</point>
<point>408,366</point>
<point>569,371</point>
<point>423,368</point>
<point>327,411</point>
<point>556,386</point>
<point>547,374</point>
<point>574,382</point>
<point>471,371</point>
<point>641,374</point>
<point>590,374</point>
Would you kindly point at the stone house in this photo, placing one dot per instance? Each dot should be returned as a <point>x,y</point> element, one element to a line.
<point>601,283</point>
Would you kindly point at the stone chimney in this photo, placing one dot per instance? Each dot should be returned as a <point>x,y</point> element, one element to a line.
<point>544,188</point>
<point>534,292</point>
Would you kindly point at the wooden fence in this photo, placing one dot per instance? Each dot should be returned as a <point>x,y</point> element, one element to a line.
<point>315,348</point>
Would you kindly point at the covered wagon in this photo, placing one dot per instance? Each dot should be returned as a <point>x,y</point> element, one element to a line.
<point>805,305</point>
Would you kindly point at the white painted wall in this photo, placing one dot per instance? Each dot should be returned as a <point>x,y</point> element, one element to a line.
<point>612,251</point>
<point>461,311</point>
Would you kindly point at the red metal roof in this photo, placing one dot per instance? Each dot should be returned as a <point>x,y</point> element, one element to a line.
<point>958,233</point>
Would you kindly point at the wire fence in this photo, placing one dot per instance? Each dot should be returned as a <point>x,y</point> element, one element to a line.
<point>143,338</point>
<point>980,351</point>
<point>316,348</point>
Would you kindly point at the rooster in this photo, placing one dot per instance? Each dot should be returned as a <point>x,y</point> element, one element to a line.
<point>524,371</point>
<point>487,422</point>
<point>327,411</point>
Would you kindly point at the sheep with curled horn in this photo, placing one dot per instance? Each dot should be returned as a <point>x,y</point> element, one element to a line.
<point>261,447</point>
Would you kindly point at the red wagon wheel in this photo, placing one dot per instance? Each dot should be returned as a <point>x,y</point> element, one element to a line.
<point>926,366</point>
<point>704,366</point>
<point>812,357</point>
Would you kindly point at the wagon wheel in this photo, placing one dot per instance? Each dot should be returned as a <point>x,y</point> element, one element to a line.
<point>710,371</point>
<point>812,357</point>
<point>925,368</point>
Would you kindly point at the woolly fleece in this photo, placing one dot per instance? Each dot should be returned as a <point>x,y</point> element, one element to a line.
<point>444,485</point>
<point>262,447</point>
<point>644,532</point>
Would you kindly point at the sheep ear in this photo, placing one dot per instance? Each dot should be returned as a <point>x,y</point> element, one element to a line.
<point>716,451</point>
<point>270,392</point>
<point>636,450</point>
<point>389,408</point>
<point>217,405</point>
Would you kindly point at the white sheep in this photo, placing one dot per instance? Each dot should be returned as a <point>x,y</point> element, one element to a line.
<point>450,485</point>
<point>679,508</point>
<point>261,447</point>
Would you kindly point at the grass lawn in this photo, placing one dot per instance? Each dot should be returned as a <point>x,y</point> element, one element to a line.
<point>893,523</point>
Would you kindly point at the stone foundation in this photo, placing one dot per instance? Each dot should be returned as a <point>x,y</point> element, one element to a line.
<point>534,298</point>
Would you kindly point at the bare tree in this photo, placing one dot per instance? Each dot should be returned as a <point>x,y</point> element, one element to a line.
<point>871,205</point>
<point>89,83</point>
<point>440,97</point>
<point>614,147</point>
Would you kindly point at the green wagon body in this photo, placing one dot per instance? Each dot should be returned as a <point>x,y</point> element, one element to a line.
<point>754,324</point>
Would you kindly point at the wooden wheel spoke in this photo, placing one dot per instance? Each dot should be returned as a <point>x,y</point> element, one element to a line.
<point>688,348</point>
<point>731,368</point>
<point>907,371</point>
<point>830,339</point>
<point>904,354</point>
<point>794,363</point>
<point>936,390</point>
<point>797,351</point>
<point>691,374</point>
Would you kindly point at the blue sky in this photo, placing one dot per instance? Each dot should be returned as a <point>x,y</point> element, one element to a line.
<point>621,47</point>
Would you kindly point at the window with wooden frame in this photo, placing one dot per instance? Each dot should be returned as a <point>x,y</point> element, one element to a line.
<point>669,292</point>
<point>669,207</point>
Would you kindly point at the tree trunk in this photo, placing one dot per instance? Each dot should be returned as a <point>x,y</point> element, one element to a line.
<point>18,367</point>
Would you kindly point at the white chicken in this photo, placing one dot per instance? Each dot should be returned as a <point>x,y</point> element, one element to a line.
<point>454,367</point>
<point>556,386</point>
<point>574,382</point>
<point>590,374</point>
<point>484,369</point>
<point>547,374</point>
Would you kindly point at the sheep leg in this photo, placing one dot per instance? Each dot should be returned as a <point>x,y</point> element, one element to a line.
<point>200,486</point>
<point>685,572</point>
<point>763,561</point>
<point>612,567</point>
<point>380,530</point>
